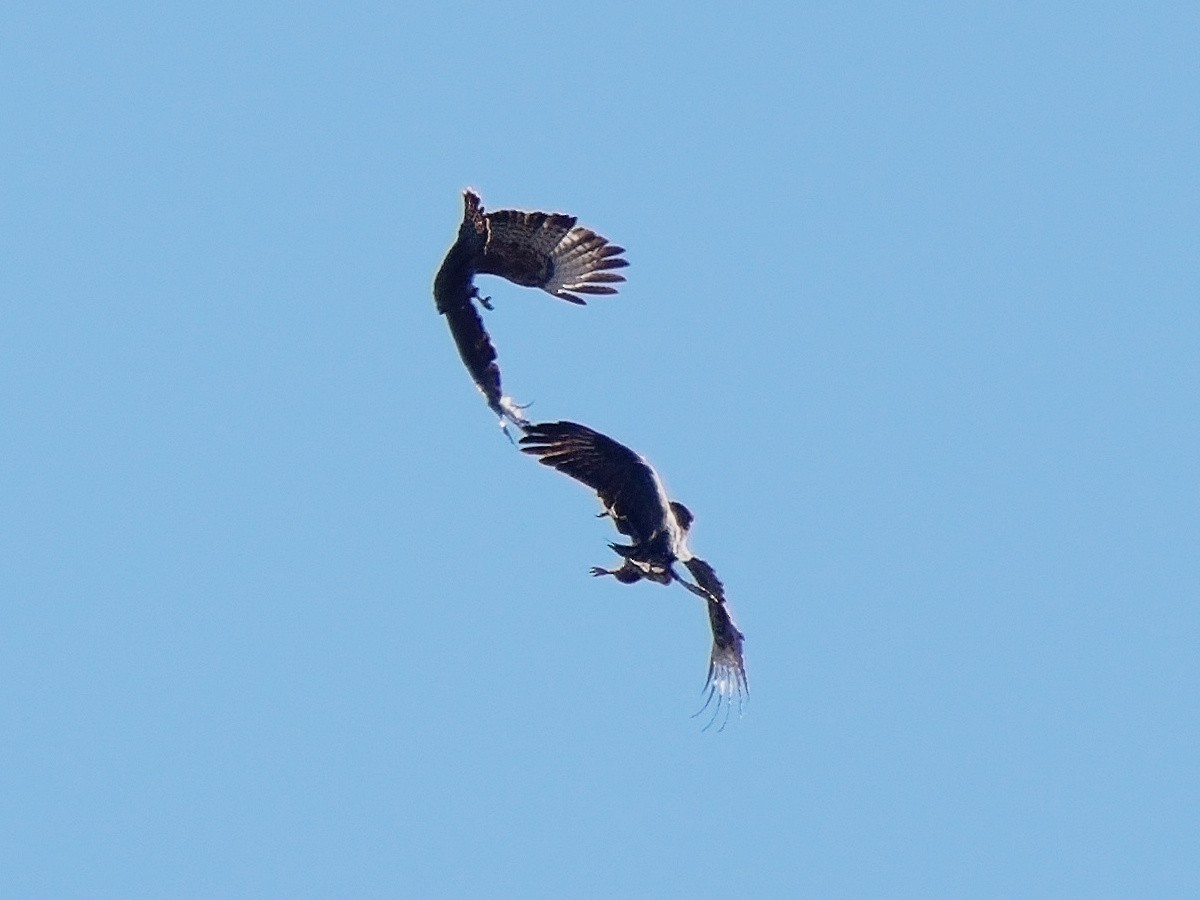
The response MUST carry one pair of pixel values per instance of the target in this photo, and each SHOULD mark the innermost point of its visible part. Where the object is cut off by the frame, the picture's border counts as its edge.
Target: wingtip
(725, 685)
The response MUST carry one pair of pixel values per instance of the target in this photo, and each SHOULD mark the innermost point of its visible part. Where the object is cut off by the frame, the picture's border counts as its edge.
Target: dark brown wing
(547, 251)
(706, 578)
(453, 285)
(519, 245)
(454, 293)
(478, 355)
(626, 484)
(726, 681)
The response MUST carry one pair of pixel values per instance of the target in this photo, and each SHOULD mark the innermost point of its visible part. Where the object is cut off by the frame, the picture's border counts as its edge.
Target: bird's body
(533, 249)
(634, 497)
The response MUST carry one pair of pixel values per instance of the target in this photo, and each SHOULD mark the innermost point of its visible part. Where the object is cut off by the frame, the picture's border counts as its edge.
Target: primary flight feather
(633, 495)
(532, 249)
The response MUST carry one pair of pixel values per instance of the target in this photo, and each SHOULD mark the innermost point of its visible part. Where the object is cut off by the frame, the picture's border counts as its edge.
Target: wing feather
(625, 483)
(582, 264)
(479, 356)
(726, 681)
(454, 294)
(520, 245)
(591, 289)
(547, 251)
(706, 577)
(453, 285)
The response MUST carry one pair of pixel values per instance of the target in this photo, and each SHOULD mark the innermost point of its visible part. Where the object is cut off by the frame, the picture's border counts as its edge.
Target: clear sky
(911, 325)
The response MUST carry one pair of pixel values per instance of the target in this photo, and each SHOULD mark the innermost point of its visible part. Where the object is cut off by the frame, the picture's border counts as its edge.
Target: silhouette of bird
(634, 498)
(533, 249)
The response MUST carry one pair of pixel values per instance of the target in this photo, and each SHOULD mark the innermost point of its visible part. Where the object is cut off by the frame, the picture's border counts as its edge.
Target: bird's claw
(485, 302)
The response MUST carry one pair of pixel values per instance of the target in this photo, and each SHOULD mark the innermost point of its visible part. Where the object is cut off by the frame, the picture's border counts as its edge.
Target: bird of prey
(533, 249)
(634, 498)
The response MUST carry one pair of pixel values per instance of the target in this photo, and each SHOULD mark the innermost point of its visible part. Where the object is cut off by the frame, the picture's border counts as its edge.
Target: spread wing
(479, 356)
(454, 292)
(453, 286)
(726, 681)
(626, 484)
(547, 251)
(706, 578)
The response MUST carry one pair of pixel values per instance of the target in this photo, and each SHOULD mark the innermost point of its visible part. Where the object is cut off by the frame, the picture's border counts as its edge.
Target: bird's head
(682, 514)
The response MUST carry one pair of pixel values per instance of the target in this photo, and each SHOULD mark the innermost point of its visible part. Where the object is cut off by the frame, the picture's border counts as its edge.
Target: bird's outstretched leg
(627, 574)
(485, 302)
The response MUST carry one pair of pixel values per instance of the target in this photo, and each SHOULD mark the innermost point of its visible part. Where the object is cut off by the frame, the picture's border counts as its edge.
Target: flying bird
(633, 496)
(532, 249)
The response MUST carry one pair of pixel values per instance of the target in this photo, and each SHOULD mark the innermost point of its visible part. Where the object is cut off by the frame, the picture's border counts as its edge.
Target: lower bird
(634, 498)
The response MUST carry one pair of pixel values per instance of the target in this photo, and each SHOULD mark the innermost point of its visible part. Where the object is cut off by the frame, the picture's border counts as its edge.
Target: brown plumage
(532, 249)
(633, 496)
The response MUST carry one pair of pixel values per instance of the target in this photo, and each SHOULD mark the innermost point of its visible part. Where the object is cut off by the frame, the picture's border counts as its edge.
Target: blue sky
(911, 325)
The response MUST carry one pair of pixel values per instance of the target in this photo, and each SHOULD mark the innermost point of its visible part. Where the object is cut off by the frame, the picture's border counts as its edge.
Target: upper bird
(634, 497)
(533, 249)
